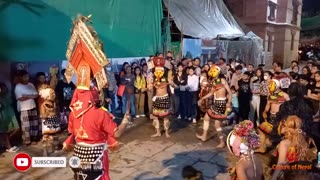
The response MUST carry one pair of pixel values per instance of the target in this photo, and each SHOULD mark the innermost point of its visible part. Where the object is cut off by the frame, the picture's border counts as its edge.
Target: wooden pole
(181, 45)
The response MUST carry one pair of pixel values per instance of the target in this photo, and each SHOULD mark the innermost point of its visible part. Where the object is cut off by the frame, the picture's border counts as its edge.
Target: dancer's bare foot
(167, 134)
(156, 135)
(221, 145)
(202, 138)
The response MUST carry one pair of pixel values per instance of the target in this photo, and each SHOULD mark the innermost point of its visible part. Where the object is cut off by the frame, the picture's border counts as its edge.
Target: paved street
(140, 157)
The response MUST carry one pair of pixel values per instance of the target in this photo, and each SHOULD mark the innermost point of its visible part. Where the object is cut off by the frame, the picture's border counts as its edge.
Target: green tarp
(38, 30)
(310, 23)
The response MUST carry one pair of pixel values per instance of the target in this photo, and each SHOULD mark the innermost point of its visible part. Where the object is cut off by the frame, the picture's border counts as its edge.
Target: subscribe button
(49, 162)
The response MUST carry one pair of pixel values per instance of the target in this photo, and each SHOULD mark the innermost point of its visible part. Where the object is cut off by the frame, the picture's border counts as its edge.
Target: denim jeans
(234, 115)
(192, 101)
(183, 104)
(192, 104)
(112, 96)
(125, 104)
(177, 95)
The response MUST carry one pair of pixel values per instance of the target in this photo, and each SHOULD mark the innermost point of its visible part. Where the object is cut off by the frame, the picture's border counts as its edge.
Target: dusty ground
(141, 157)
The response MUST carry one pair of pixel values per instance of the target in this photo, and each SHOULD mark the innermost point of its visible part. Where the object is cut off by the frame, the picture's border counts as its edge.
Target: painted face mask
(214, 71)
(274, 85)
(158, 73)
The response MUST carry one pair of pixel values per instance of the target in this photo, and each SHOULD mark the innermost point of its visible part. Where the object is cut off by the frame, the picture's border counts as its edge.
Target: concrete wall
(254, 14)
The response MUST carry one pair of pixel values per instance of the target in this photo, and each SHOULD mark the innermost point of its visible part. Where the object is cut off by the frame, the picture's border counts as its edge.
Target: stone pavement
(140, 157)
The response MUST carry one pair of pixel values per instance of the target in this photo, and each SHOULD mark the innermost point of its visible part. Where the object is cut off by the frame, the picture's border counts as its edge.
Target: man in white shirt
(196, 65)
(26, 94)
(193, 87)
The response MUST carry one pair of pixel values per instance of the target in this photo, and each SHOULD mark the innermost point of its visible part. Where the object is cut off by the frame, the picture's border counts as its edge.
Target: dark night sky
(311, 5)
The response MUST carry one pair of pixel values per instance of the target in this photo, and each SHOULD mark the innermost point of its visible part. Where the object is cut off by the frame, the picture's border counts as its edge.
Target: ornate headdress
(85, 55)
(242, 138)
(159, 64)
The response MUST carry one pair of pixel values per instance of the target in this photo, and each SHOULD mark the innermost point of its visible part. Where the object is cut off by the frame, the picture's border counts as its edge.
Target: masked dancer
(276, 99)
(220, 107)
(92, 129)
(161, 100)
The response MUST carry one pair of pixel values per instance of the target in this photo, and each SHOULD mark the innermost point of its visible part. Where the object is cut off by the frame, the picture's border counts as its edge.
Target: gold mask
(158, 73)
(272, 86)
(214, 71)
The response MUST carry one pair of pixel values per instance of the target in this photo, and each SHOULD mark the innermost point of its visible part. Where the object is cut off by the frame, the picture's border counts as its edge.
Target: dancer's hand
(265, 116)
(200, 102)
(228, 105)
(67, 147)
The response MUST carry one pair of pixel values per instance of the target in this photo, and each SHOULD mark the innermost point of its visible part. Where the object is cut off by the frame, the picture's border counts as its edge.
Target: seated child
(235, 107)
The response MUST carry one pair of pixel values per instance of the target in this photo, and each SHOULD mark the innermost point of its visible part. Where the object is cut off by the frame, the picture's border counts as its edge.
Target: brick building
(277, 22)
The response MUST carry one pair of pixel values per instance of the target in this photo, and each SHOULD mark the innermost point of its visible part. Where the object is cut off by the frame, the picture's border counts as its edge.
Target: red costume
(93, 130)
(91, 127)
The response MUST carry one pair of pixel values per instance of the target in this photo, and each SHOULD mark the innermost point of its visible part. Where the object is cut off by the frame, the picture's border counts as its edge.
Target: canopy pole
(181, 45)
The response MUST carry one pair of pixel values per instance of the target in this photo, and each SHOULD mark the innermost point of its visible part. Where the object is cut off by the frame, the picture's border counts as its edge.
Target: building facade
(277, 22)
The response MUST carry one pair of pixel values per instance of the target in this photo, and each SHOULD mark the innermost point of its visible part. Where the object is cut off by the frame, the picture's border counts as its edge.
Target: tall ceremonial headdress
(85, 55)
(159, 64)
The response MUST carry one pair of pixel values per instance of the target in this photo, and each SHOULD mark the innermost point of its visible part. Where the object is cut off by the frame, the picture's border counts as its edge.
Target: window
(272, 11)
(292, 40)
(295, 11)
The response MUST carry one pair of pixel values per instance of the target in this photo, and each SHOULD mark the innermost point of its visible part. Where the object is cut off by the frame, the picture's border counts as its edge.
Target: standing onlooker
(196, 65)
(140, 89)
(144, 70)
(233, 117)
(295, 69)
(192, 87)
(244, 95)
(111, 91)
(244, 66)
(128, 96)
(314, 70)
(179, 79)
(8, 122)
(255, 83)
(26, 94)
(306, 70)
(64, 92)
(40, 79)
(294, 63)
(150, 81)
(223, 66)
(314, 94)
(250, 69)
(134, 65)
(142, 61)
(204, 90)
(236, 76)
(264, 93)
(123, 70)
(277, 67)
